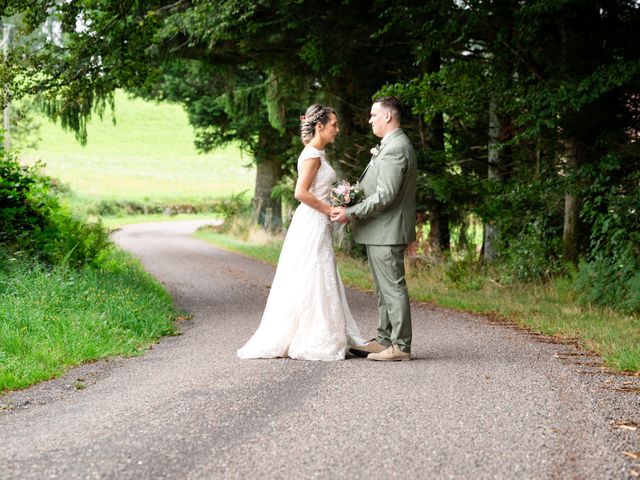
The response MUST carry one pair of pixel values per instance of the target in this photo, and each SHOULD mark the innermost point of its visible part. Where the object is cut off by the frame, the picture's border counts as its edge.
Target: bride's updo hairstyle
(315, 114)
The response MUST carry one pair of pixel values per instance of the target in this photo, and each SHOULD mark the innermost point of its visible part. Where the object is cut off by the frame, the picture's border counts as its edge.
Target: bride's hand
(338, 215)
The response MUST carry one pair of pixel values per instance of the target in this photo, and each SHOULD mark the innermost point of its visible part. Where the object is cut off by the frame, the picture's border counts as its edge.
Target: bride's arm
(308, 171)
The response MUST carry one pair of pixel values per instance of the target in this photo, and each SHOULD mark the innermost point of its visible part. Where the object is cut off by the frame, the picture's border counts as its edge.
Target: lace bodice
(326, 176)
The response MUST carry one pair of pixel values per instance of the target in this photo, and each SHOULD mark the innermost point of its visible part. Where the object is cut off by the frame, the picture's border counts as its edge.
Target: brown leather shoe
(391, 354)
(372, 346)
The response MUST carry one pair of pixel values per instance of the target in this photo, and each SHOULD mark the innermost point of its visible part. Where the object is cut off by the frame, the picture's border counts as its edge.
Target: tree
(524, 113)
(444, 113)
(277, 55)
(543, 85)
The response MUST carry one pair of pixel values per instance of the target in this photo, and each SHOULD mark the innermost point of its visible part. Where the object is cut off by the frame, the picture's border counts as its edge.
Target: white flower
(374, 151)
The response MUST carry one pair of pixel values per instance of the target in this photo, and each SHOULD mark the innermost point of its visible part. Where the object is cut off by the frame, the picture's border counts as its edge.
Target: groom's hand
(338, 215)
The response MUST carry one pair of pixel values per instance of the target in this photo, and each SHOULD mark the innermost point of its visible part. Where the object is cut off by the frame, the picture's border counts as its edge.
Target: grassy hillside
(147, 155)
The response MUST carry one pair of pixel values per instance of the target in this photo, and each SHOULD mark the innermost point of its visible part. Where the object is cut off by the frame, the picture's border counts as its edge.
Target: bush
(465, 274)
(20, 213)
(32, 220)
(529, 225)
(610, 275)
(532, 256)
(610, 282)
(227, 208)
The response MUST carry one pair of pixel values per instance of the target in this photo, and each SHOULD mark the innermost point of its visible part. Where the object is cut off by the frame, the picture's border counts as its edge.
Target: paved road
(479, 401)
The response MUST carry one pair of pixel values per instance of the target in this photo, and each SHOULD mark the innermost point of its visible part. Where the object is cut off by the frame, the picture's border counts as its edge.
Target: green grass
(148, 154)
(548, 308)
(53, 319)
(268, 253)
(545, 308)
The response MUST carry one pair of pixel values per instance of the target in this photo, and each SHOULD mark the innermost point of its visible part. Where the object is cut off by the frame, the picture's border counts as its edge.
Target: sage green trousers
(386, 263)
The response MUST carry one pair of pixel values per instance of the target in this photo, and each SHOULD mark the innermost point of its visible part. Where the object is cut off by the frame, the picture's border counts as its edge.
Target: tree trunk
(267, 211)
(439, 234)
(489, 252)
(413, 250)
(463, 240)
(7, 108)
(571, 205)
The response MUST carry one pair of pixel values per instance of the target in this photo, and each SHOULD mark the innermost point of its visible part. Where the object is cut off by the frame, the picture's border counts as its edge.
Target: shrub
(226, 208)
(21, 209)
(529, 223)
(610, 274)
(532, 256)
(466, 274)
(610, 282)
(33, 221)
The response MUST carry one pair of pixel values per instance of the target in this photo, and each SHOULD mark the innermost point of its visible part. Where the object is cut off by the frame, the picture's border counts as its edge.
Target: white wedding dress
(307, 316)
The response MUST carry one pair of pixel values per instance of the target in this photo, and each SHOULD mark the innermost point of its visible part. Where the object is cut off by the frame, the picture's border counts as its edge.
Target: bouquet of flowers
(343, 194)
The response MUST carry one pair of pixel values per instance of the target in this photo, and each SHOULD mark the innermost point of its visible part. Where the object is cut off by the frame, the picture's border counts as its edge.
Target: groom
(385, 222)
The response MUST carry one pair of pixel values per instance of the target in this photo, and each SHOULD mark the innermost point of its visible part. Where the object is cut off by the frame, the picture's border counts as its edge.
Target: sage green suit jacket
(387, 215)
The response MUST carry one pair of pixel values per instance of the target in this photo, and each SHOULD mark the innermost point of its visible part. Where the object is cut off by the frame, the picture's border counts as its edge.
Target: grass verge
(54, 318)
(268, 253)
(545, 308)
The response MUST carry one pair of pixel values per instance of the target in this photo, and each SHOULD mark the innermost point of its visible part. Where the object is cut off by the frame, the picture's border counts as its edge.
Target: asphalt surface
(480, 400)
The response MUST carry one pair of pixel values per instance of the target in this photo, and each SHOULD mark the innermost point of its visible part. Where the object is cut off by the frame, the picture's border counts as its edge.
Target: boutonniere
(375, 150)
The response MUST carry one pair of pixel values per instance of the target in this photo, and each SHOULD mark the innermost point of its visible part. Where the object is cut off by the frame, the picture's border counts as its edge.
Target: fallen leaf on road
(627, 388)
(627, 427)
(634, 455)
(622, 425)
(589, 372)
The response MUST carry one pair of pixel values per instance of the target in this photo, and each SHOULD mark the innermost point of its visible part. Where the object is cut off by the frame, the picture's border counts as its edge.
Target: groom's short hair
(392, 104)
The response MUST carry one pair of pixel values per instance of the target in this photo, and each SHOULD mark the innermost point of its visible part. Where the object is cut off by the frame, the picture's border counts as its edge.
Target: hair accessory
(303, 118)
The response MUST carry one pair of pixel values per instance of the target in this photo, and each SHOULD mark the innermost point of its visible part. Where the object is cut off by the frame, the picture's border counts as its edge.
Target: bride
(307, 316)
